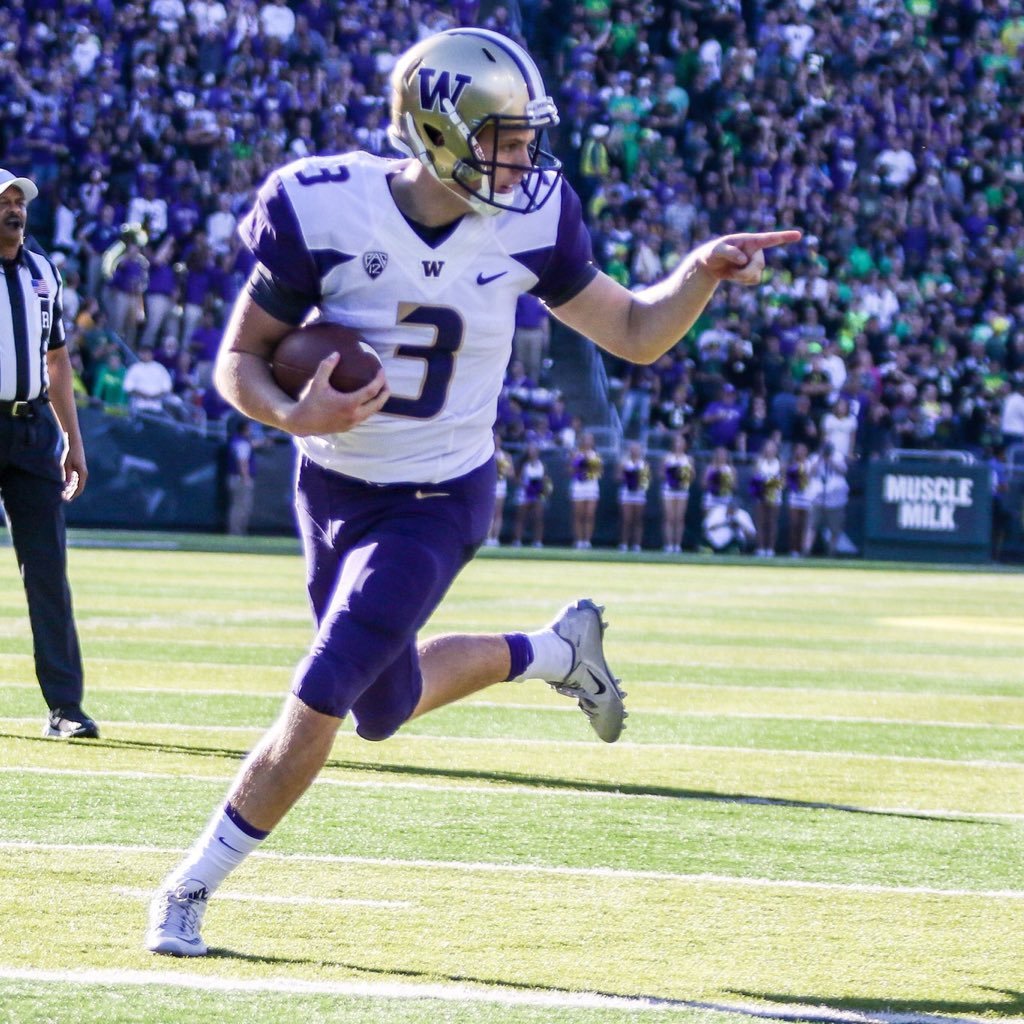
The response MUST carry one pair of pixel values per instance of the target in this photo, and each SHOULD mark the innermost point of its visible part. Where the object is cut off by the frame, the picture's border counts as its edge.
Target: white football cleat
(590, 680)
(175, 917)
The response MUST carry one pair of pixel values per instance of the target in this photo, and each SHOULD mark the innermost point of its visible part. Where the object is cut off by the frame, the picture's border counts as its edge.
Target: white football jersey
(440, 315)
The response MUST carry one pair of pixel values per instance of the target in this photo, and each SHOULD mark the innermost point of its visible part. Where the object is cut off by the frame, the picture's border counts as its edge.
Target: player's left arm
(641, 326)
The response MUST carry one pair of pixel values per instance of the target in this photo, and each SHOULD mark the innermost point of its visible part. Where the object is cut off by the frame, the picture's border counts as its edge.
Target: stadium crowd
(891, 132)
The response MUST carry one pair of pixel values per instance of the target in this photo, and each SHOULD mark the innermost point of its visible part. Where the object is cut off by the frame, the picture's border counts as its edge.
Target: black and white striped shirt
(31, 323)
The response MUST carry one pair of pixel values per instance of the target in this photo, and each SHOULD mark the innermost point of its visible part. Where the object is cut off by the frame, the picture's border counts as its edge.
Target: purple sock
(242, 825)
(520, 652)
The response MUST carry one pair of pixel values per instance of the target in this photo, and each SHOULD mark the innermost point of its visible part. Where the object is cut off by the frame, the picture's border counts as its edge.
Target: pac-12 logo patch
(374, 263)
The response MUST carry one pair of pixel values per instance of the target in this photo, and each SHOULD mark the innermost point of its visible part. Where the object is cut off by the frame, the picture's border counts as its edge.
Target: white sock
(552, 657)
(216, 853)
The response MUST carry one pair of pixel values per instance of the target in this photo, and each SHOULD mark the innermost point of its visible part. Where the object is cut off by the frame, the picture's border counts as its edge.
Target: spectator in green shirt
(108, 387)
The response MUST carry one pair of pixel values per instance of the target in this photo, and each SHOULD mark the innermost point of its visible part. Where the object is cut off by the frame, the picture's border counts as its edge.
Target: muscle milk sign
(928, 510)
(926, 502)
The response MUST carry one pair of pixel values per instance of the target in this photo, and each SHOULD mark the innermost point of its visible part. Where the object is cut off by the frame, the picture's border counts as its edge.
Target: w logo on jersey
(433, 92)
(374, 263)
(432, 268)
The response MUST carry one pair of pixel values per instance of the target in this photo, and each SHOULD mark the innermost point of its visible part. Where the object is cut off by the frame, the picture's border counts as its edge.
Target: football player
(426, 256)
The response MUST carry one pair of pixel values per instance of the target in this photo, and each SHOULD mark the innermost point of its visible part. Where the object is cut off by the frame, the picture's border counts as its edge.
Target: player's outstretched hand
(740, 258)
(322, 409)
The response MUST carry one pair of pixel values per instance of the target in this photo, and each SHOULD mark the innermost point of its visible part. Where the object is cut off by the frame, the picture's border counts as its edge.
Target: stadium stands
(891, 132)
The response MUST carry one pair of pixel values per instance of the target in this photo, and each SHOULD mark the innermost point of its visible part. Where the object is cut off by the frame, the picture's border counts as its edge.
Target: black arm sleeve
(273, 296)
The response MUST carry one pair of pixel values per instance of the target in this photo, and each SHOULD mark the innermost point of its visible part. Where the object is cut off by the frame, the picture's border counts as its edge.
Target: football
(299, 353)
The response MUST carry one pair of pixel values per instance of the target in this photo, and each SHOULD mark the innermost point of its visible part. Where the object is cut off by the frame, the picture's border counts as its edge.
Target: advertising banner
(928, 510)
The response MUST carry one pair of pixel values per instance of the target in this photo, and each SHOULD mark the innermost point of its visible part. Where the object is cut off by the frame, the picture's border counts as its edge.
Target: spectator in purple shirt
(47, 145)
(201, 281)
(532, 334)
(319, 18)
(126, 290)
(161, 293)
(722, 420)
(95, 237)
(184, 215)
(203, 344)
(466, 12)
(560, 424)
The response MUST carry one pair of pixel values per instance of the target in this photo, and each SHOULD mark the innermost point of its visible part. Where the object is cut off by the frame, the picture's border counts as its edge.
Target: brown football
(298, 355)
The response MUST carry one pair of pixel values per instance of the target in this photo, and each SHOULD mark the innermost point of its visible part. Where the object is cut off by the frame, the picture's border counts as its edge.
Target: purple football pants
(379, 558)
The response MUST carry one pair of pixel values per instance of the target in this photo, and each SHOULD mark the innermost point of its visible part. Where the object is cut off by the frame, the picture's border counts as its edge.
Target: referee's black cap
(28, 188)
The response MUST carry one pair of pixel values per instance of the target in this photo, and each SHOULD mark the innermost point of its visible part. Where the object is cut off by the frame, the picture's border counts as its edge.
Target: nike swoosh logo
(481, 279)
(432, 494)
(220, 839)
(601, 688)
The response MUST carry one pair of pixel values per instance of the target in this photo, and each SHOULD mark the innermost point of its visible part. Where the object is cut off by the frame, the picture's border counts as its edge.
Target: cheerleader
(531, 495)
(798, 478)
(766, 486)
(719, 481)
(505, 469)
(634, 476)
(677, 476)
(585, 466)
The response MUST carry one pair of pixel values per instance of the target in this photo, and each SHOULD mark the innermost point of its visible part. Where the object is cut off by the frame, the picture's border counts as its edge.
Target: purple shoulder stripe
(565, 268)
(327, 259)
(271, 232)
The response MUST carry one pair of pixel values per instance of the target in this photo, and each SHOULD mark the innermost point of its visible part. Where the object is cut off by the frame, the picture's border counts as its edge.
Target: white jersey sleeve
(439, 311)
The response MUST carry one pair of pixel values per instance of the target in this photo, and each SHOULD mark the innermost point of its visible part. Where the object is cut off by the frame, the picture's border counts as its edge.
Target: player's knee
(379, 716)
(378, 729)
(390, 702)
(326, 684)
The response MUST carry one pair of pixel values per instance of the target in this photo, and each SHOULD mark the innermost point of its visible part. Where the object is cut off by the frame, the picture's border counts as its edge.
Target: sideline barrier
(148, 474)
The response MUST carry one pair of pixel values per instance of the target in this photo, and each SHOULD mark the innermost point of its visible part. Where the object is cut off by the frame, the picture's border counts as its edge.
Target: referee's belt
(22, 410)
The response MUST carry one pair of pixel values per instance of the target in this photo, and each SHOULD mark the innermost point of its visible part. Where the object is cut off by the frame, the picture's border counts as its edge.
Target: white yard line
(461, 993)
(492, 790)
(624, 874)
(290, 901)
(639, 684)
(177, 726)
(278, 692)
(799, 661)
(522, 741)
(662, 712)
(758, 715)
(822, 691)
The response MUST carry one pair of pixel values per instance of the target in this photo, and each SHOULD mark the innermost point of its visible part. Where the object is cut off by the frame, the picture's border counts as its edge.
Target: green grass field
(815, 813)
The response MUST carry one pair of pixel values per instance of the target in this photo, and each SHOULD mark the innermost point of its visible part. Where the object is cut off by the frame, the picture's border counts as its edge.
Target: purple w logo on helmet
(433, 92)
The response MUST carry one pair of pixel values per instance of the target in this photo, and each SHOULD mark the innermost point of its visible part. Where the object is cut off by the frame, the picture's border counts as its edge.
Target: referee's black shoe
(71, 723)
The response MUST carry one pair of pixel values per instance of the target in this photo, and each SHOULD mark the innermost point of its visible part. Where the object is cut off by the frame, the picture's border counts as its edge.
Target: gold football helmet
(451, 86)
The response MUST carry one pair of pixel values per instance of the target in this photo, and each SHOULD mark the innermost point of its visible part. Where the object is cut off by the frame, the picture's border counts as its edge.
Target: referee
(42, 460)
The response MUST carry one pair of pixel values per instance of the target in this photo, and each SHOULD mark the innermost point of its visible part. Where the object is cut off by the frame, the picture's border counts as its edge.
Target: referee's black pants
(31, 481)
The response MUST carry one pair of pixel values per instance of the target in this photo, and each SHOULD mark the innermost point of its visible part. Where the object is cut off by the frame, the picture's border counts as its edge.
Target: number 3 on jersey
(439, 355)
